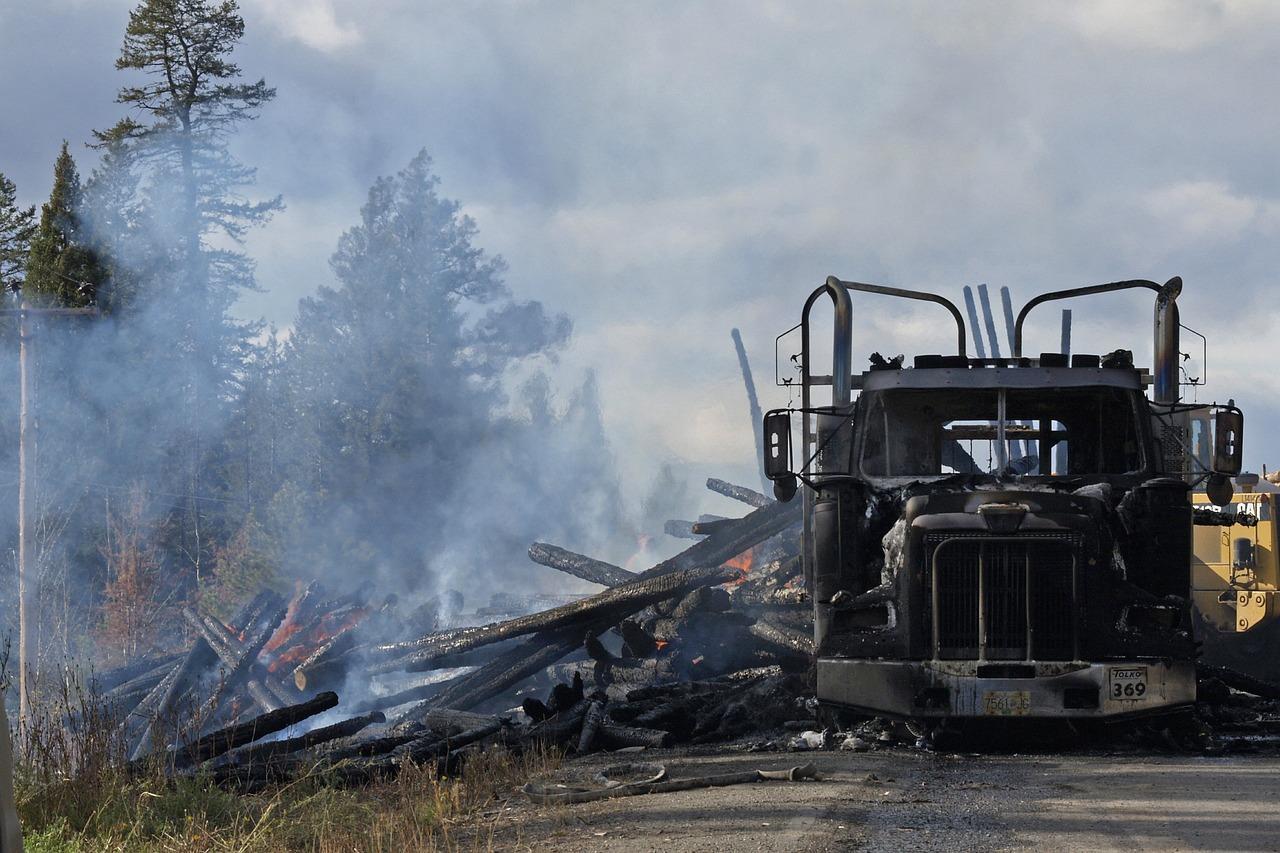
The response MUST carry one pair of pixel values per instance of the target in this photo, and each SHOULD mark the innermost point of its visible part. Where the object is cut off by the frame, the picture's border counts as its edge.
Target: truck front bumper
(950, 689)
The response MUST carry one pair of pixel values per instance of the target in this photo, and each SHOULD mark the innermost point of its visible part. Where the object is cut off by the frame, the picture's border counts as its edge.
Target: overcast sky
(665, 171)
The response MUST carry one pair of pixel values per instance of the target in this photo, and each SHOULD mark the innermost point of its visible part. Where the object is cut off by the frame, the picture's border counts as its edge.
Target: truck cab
(999, 537)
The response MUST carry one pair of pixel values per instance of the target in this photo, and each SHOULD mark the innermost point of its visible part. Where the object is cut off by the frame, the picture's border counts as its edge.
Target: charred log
(267, 751)
(726, 544)
(610, 606)
(681, 529)
(225, 740)
(539, 651)
(636, 641)
(586, 568)
(783, 637)
(750, 497)
(614, 736)
(591, 722)
(240, 660)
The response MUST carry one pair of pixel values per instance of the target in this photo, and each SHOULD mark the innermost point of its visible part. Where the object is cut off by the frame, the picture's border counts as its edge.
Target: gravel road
(910, 800)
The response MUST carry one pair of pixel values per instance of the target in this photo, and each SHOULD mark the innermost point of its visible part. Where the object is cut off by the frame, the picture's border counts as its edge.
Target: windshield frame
(1016, 380)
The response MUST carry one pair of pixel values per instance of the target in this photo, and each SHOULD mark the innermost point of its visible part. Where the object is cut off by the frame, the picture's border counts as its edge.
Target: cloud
(1207, 211)
(314, 23)
(666, 174)
(1174, 26)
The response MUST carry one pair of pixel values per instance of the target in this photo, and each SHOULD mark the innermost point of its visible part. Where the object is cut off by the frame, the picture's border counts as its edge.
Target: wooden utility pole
(28, 583)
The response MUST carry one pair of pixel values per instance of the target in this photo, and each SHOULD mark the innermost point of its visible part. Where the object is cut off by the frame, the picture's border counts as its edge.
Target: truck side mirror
(777, 454)
(1228, 441)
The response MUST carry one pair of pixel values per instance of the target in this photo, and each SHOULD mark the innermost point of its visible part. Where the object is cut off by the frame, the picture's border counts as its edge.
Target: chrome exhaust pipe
(1166, 365)
(842, 345)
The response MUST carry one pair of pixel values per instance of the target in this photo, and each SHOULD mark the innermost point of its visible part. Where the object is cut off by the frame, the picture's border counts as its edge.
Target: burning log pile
(711, 645)
(707, 645)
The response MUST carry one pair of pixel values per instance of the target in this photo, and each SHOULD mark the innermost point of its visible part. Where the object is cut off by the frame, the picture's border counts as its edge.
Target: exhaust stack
(1167, 352)
(842, 345)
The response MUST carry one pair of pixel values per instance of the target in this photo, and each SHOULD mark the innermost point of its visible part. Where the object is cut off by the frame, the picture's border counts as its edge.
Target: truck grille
(1003, 597)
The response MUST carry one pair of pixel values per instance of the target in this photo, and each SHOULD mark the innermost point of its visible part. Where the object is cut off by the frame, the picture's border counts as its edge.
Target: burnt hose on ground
(653, 781)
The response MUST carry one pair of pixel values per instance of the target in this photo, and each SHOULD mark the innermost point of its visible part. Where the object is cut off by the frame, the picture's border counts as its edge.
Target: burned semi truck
(1000, 537)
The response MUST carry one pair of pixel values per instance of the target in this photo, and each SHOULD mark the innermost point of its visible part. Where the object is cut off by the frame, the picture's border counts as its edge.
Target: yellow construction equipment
(1235, 578)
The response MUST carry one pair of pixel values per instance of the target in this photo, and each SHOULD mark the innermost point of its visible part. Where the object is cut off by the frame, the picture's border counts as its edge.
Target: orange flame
(743, 563)
(291, 625)
(328, 627)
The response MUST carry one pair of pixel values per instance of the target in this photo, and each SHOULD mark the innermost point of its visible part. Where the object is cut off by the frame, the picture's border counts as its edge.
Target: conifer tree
(183, 114)
(193, 102)
(62, 269)
(398, 372)
(17, 224)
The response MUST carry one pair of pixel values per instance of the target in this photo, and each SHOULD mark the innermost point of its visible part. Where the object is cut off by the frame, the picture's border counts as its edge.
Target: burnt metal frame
(1069, 544)
(1165, 367)
(1070, 293)
(841, 378)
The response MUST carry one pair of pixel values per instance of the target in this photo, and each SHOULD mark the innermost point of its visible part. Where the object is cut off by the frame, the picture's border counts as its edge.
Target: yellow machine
(1235, 579)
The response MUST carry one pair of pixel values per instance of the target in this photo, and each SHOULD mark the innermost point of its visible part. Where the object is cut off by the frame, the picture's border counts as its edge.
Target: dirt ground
(911, 800)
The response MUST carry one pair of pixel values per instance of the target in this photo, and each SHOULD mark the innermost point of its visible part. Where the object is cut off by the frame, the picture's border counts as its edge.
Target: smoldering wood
(636, 641)
(750, 497)
(615, 736)
(590, 727)
(765, 581)
(139, 686)
(241, 660)
(268, 751)
(135, 727)
(698, 625)
(326, 663)
(611, 606)
(505, 671)
(197, 660)
(404, 697)
(368, 747)
(329, 664)
(681, 529)
(244, 655)
(535, 709)
(578, 565)
(450, 721)
(418, 751)
(782, 637)
(628, 674)
(225, 740)
(358, 597)
(557, 729)
(706, 528)
(104, 683)
(753, 528)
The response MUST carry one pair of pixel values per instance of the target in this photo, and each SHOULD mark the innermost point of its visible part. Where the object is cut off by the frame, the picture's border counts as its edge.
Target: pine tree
(17, 225)
(184, 113)
(62, 269)
(194, 103)
(398, 371)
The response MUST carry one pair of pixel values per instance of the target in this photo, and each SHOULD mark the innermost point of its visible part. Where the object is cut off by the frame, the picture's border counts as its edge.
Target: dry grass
(74, 795)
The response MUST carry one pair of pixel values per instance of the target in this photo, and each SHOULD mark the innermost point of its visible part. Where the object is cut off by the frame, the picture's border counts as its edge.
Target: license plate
(1127, 683)
(1006, 703)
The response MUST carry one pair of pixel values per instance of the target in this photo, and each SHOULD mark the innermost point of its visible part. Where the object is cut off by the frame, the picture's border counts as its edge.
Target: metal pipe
(961, 346)
(1073, 292)
(1006, 304)
(973, 322)
(841, 345)
(1060, 451)
(989, 320)
(1167, 343)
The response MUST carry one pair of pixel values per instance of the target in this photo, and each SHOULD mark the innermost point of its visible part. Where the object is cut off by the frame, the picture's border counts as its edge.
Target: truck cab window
(1062, 432)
